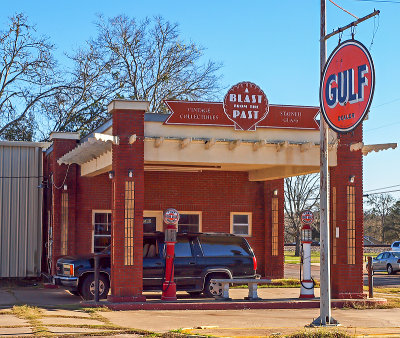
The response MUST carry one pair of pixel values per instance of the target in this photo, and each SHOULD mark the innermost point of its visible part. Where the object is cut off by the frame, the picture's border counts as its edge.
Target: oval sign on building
(245, 105)
(347, 86)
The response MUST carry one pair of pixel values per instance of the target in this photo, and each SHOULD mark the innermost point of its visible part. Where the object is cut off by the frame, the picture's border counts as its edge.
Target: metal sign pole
(325, 285)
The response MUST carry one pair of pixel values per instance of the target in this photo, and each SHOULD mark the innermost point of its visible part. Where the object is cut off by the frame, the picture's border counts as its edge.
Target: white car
(395, 246)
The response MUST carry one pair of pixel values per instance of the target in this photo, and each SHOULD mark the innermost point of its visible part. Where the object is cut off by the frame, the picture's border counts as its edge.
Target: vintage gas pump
(171, 218)
(307, 283)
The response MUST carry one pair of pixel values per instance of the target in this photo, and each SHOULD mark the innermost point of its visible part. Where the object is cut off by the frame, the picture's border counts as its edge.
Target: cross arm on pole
(352, 24)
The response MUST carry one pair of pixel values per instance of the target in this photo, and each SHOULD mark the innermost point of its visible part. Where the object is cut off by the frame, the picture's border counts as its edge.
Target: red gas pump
(171, 218)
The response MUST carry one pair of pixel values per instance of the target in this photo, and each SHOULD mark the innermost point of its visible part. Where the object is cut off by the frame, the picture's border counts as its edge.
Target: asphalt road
(380, 278)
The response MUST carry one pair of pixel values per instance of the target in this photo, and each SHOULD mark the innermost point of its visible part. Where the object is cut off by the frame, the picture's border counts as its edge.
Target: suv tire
(390, 269)
(210, 290)
(87, 287)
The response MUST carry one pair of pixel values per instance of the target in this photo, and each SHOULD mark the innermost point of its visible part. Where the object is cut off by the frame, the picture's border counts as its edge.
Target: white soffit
(95, 146)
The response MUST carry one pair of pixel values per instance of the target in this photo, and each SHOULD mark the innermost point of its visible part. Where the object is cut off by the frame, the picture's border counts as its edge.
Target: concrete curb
(235, 305)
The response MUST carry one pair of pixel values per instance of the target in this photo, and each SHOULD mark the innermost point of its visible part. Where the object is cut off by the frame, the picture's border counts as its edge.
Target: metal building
(21, 171)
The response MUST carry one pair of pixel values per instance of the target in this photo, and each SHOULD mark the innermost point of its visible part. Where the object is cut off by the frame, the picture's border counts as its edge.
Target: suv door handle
(192, 263)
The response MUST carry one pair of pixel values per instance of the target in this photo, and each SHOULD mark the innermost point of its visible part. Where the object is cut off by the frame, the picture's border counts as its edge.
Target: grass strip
(32, 315)
(319, 333)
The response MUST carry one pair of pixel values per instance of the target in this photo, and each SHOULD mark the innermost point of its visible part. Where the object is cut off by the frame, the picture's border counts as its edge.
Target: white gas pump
(307, 283)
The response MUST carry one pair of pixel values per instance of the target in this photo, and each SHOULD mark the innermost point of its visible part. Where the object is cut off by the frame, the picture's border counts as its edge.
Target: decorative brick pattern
(126, 280)
(273, 265)
(53, 196)
(347, 279)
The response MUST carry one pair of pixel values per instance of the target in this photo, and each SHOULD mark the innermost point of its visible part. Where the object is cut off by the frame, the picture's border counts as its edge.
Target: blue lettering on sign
(343, 92)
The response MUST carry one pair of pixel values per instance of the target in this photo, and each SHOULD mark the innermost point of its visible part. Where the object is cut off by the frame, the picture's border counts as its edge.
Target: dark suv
(199, 257)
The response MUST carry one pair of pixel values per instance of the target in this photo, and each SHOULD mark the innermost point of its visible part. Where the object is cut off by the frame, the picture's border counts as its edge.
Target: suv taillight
(255, 263)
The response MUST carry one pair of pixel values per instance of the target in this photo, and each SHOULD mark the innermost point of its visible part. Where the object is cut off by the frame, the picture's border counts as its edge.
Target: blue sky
(272, 43)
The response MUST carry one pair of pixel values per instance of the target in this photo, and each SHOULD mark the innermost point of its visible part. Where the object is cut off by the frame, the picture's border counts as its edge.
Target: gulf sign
(347, 86)
(246, 105)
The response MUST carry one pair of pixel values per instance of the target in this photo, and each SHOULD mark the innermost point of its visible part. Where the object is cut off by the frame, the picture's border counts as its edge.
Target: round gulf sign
(171, 216)
(347, 86)
(246, 105)
(307, 217)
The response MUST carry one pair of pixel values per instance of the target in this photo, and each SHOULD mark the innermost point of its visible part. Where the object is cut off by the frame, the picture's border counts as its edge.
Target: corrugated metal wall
(20, 209)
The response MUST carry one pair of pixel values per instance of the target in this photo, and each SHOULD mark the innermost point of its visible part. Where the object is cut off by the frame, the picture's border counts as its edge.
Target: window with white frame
(241, 223)
(189, 221)
(101, 230)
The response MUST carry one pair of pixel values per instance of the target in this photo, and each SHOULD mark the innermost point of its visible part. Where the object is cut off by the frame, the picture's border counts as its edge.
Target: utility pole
(325, 317)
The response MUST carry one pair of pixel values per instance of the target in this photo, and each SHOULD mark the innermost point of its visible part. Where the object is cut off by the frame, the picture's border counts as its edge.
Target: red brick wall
(60, 147)
(347, 279)
(126, 280)
(274, 265)
(217, 194)
(214, 193)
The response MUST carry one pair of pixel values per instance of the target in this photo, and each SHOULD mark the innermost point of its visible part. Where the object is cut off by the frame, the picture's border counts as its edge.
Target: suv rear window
(182, 247)
(224, 246)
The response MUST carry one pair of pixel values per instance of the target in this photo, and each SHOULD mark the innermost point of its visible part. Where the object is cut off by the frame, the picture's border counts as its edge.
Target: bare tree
(80, 105)
(127, 59)
(393, 224)
(381, 206)
(138, 61)
(151, 62)
(27, 77)
(301, 193)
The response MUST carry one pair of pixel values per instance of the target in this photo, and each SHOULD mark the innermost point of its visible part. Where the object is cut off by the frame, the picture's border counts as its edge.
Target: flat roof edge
(43, 145)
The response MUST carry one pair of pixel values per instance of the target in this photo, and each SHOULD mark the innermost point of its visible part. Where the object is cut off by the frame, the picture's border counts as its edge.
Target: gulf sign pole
(346, 90)
(325, 317)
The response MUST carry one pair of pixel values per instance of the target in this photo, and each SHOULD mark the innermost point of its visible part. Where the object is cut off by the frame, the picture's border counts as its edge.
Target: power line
(381, 192)
(344, 10)
(380, 1)
(391, 186)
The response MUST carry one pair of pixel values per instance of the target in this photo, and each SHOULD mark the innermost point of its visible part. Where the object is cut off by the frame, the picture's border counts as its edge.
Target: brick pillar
(128, 155)
(347, 268)
(62, 144)
(274, 261)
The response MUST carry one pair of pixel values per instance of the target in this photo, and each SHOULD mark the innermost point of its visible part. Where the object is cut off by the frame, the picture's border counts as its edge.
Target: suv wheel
(210, 289)
(87, 288)
(390, 269)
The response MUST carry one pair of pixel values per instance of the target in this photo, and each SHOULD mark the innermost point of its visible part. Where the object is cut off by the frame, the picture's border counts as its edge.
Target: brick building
(110, 185)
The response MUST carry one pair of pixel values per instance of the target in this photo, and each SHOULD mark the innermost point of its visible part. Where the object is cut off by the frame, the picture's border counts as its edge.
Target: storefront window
(102, 230)
(241, 223)
(149, 224)
(189, 222)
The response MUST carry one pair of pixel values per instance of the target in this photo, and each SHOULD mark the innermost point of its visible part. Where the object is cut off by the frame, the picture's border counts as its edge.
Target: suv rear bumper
(68, 282)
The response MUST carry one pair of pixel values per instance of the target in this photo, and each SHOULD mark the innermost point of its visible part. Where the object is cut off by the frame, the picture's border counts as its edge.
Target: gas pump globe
(306, 233)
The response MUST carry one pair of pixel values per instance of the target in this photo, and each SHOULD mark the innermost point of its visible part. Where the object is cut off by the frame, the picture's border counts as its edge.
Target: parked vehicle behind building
(395, 246)
(199, 257)
(387, 261)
